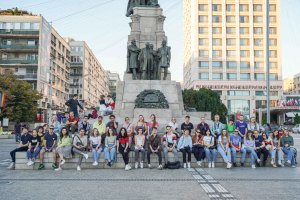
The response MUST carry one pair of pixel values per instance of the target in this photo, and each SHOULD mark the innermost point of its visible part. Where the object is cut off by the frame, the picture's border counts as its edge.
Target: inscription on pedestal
(151, 99)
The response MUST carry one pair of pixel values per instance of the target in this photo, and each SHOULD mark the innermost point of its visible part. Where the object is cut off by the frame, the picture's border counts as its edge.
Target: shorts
(49, 148)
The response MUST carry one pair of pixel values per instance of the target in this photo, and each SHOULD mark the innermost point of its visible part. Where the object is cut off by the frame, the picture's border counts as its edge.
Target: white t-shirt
(169, 138)
(174, 126)
(208, 140)
(95, 140)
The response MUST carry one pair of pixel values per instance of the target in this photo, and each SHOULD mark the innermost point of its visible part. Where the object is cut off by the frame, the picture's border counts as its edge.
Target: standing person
(216, 127)
(139, 147)
(41, 135)
(185, 145)
(23, 146)
(101, 128)
(198, 148)
(209, 143)
(236, 146)
(73, 103)
(79, 146)
(275, 137)
(46, 129)
(102, 105)
(140, 124)
(268, 129)
(17, 129)
(72, 123)
(112, 124)
(242, 127)
(187, 126)
(65, 119)
(253, 125)
(174, 127)
(110, 152)
(203, 127)
(260, 148)
(122, 147)
(95, 142)
(169, 143)
(151, 124)
(287, 146)
(271, 148)
(230, 127)
(129, 129)
(50, 140)
(64, 147)
(34, 145)
(154, 142)
(56, 124)
(223, 147)
(249, 142)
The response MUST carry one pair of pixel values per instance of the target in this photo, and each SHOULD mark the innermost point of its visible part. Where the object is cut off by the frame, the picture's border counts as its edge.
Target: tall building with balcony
(88, 78)
(114, 78)
(291, 85)
(32, 48)
(225, 50)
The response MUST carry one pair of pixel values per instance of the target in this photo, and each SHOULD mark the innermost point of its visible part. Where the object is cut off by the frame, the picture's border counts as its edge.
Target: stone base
(128, 76)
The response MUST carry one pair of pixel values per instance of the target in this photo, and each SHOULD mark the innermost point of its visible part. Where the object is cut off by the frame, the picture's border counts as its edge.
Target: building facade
(32, 48)
(114, 78)
(88, 78)
(225, 50)
(291, 85)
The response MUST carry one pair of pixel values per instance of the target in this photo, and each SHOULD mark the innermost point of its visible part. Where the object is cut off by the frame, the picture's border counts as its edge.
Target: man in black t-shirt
(112, 124)
(187, 126)
(18, 126)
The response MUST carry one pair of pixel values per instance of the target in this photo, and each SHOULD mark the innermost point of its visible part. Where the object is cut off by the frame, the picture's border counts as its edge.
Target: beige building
(31, 48)
(88, 78)
(225, 50)
(114, 78)
(291, 85)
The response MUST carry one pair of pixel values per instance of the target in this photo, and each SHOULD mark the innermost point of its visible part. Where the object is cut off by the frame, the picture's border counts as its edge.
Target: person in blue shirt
(242, 127)
(223, 147)
(185, 146)
(236, 146)
(216, 127)
(260, 148)
(65, 119)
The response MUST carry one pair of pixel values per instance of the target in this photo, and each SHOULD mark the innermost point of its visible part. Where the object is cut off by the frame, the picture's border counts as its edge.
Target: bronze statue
(146, 59)
(132, 59)
(154, 70)
(164, 55)
(140, 3)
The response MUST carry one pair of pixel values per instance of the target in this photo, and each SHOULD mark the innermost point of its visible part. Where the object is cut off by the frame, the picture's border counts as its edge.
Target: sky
(104, 27)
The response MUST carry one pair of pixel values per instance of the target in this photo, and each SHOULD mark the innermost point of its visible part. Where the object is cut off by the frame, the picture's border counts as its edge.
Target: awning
(290, 114)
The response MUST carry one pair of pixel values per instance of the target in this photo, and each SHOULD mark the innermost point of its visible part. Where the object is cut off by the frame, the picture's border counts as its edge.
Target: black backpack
(174, 165)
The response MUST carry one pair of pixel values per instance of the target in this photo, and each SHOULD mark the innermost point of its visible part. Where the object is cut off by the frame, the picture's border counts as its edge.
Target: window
(63, 48)
(244, 7)
(203, 30)
(259, 76)
(258, 30)
(238, 93)
(272, 19)
(258, 65)
(259, 42)
(244, 19)
(203, 7)
(272, 8)
(272, 65)
(230, 30)
(59, 44)
(244, 30)
(31, 42)
(231, 53)
(273, 54)
(203, 76)
(230, 19)
(264, 93)
(258, 7)
(272, 42)
(237, 107)
(258, 54)
(245, 76)
(203, 65)
(77, 59)
(217, 65)
(25, 25)
(6, 42)
(31, 56)
(245, 65)
(16, 55)
(216, 53)
(244, 54)
(216, 19)
(203, 19)
(263, 104)
(216, 7)
(217, 76)
(217, 42)
(273, 77)
(31, 71)
(231, 42)
(244, 42)
(273, 30)
(258, 19)
(17, 25)
(76, 48)
(216, 30)
(230, 7)
(231, 76)
(231, 65)
(203, 42)
(203, 53)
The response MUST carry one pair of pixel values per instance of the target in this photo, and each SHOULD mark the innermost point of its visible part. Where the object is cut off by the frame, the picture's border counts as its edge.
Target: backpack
(174, 165)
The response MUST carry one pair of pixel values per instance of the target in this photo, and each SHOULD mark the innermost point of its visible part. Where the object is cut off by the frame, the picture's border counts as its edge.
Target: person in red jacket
(203, 127)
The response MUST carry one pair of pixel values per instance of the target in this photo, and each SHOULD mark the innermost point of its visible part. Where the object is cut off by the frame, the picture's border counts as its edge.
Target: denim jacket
(88, 127)
(214, 128)
(188, 142)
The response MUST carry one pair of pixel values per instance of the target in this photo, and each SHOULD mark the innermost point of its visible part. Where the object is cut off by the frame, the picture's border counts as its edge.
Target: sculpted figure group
(140, 3)
(149, 61)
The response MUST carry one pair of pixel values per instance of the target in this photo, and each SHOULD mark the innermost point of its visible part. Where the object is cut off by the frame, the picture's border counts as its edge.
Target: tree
(16, 11)
(205, 100)
(5, 12)
(30, 13)
(264, 120)
(297, 119)
(20, 103)
(12, 12)
(21, 13)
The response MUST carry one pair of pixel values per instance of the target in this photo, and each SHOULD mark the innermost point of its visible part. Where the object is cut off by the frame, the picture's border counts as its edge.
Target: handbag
(268, 147)
(169, 144)
(79, 144)
(213, 147)
(174, 165)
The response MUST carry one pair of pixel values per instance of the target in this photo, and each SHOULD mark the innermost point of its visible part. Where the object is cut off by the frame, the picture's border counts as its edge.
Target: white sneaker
(30, 163)
(184, 165)
(258, 160)
(279, 162)
(142, 165)
(209, 165)
(293, 166)
(126, 168)
(199, 163)
(86, 156)
(58, 169)
(160, 167)
(229, 165)
(78, 168)
(253, 167)
(213, 164)
(272, 162)
(63, 162)
(136, 165)
(149, 166)
(11, 166)
(129, 167)
(189, 165)
(288, 161)
(94, 163)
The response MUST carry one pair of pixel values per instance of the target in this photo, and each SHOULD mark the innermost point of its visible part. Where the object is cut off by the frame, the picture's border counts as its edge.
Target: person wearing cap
(230, 127)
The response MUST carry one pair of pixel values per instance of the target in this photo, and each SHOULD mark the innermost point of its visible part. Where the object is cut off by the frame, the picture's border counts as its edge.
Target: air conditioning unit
(7, 30)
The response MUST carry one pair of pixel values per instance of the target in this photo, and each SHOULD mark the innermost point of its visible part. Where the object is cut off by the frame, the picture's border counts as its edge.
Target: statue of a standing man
(164, 55)
(154, 70)
(131, 5)
(146, 59)
(132, 59)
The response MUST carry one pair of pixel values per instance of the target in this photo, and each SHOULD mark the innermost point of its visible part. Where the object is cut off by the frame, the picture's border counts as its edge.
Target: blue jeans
(18, 137)
(252, 154)
(34, 154)
(243, 151)
(273, 154)
(290, 153)
(208, 151)
(96, 154)
(110, 155)
(226, 157)
(75, 113)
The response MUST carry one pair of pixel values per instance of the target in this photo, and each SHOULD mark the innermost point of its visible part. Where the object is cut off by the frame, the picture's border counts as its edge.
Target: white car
(296, 128)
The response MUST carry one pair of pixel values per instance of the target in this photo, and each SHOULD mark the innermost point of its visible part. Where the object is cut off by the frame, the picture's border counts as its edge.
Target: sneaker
(63, 162)
(129, 167)
(126, 168)
(235, 165)
(293, 166)
(242, 164)
(54, 165)
(94, 163)
(136, 165)
(142, 165)
(272, 162)
(160, 167)
(189, 165)
(258, 160)
(58, 169)
(86, 156)
(288, 161)
(78, 168)
(184, 165)
(150, 167)
(229, 165)
(109, 164)
(41, 166)
(209, 165)
(30, 163)
(199, 163)
(213, 164)
(275, 166)
(264, 164)
(253, 167)
(279, 162)
(257, 164)
(11, 166)
(166, 166)
(282, 165)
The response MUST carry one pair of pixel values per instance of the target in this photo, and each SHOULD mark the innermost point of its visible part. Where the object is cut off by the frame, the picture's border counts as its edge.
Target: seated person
(169, 142)
(154, 147)
(80, 144)
(185, 145)
(72, 123)
(34, 147)
(65, 119)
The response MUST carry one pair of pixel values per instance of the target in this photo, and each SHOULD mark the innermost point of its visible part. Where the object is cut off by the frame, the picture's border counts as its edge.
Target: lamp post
(267, 60)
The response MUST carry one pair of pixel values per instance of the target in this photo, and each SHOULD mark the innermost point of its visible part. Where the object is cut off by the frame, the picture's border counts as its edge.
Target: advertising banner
(45, 52)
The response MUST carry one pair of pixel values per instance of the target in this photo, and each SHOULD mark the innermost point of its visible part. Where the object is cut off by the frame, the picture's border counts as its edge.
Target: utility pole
(267, 60)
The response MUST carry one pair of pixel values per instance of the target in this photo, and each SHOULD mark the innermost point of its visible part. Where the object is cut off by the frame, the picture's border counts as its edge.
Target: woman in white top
(209, 143)
(139, 147)
(174, 127)
(223, 148)
(95, 142)
(269, 145)
(253, 125)
(129, 129)
(275, 137)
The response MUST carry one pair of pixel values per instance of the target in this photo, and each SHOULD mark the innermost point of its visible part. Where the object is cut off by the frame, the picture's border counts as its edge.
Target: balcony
(76, 64)
(26, 76)
(18, 62)
(20, 33)
(75, 85)
(75, 74)
(14, 48)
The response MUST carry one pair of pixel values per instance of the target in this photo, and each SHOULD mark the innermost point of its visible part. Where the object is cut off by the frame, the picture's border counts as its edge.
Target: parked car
(289, 122)
(296, 128)
(283, 127)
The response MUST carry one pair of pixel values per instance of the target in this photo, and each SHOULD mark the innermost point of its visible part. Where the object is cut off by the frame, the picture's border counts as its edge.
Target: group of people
(142, 137)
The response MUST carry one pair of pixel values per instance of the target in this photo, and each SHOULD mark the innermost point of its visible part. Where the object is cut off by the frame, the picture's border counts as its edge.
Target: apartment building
(114, 78)
(291, 85)
(32, 48)
(88, 78)
(225, 50)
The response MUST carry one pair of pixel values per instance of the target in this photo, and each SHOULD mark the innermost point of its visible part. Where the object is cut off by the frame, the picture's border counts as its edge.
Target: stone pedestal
(128, 77)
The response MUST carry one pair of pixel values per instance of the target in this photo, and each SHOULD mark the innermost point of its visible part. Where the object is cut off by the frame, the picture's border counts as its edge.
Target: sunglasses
(198, 132)
(52, 128)
(236, 131)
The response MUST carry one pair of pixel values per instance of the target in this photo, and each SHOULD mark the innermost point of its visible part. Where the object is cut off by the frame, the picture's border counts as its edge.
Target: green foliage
(205, 100)
(30, 13)
(21, 13)
(297, 119)
(16, 11)
(12, 12)
(264, 120)
(5, 11)
(20, 103)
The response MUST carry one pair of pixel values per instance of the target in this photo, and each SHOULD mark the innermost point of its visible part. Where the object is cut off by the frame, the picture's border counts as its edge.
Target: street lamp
(267, 61)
